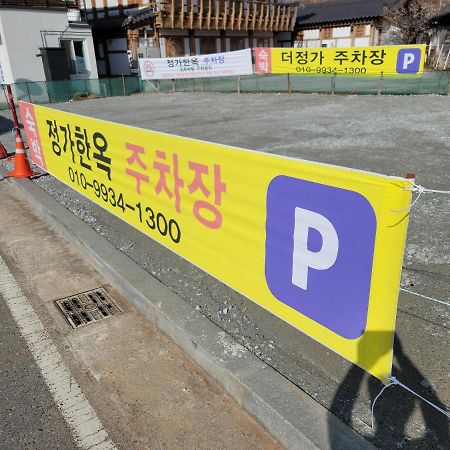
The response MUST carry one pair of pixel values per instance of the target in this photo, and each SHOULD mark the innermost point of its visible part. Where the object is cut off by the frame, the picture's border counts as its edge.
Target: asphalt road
(29, 416)
(391, 135)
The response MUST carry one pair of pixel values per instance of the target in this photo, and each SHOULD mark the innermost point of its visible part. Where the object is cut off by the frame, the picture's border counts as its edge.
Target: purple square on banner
(319, 252)
(408, 60)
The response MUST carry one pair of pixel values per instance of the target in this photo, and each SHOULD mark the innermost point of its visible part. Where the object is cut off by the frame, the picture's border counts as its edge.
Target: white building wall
(343, 43)
(362, 42)
(329, 42)
(342, 32)
(311, 34)
(21, 39)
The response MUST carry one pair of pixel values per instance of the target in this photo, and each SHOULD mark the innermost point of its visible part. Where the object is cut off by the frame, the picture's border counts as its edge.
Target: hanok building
(341, 23)
(184, 27)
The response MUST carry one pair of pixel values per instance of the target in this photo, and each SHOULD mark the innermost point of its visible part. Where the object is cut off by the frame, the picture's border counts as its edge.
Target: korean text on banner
(212, 65)
(395, 60)
(316, 245)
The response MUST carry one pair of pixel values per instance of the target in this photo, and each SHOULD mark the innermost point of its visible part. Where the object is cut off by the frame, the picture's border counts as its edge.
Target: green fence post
(48, 92)
(85, 89)
(28, 91)
(123, 85)
(380, 84)
(239, 85)
(203, 85)
(333, 84)
(289, 84)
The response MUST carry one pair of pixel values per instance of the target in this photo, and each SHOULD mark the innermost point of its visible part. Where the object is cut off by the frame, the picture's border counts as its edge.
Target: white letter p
(303, 259)
(408, 59)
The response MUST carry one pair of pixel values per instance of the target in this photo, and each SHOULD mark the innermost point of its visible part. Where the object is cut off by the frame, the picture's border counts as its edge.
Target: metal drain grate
(88, 307)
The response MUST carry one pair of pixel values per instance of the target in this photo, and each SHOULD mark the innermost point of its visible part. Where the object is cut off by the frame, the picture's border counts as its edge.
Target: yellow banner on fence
(316, 245)
(393, 60)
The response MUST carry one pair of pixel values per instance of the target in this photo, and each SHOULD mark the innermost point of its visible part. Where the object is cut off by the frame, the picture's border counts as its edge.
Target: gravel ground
(387, 134)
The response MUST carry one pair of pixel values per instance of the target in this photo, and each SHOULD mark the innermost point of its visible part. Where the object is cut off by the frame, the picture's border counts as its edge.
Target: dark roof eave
(349, 21)
(142, 16)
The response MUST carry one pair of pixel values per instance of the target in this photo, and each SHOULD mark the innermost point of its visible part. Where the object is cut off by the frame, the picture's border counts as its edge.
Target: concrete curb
(290, 415)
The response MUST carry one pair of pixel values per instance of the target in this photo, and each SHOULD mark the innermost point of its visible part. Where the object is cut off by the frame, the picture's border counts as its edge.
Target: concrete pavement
(146, 392)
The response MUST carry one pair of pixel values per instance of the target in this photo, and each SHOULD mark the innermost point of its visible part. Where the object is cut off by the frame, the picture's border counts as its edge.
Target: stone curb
(292, 417)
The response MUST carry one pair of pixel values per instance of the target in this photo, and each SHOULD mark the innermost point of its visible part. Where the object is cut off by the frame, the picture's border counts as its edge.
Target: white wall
(362, 42)
(311, 34)
(21, 39)
(342, 32)
(344, 43)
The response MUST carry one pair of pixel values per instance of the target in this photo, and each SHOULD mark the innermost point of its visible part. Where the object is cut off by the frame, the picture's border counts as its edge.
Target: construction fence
(44, 92)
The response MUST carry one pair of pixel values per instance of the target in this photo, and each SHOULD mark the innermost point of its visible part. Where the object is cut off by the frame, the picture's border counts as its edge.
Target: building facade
(341, 23)
(32, 33)
(125, 31)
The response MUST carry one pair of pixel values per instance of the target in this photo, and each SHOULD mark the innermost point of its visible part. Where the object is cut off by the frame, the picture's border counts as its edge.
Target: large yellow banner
(392, 60)
(316, 245)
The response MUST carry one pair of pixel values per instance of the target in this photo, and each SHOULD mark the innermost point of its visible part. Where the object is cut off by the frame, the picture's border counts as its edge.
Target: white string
(420, 190)
(392, 382)
(441, 410)
(425, 296)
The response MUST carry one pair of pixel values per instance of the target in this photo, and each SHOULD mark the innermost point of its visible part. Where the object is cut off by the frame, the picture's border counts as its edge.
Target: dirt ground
(386, 134)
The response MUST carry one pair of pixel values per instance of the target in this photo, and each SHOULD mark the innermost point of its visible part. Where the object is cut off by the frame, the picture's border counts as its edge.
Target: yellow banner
(393, 60)
(316, 245)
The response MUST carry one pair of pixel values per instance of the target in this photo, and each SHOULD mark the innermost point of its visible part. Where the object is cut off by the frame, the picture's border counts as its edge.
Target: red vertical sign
(263, 60)
(32, 134)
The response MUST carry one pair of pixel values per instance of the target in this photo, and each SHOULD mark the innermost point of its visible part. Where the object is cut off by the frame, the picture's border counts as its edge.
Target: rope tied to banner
(418, 189)
(394, 382)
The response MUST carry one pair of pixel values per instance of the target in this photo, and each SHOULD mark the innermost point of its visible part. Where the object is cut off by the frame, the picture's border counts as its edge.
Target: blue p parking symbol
(408, 60)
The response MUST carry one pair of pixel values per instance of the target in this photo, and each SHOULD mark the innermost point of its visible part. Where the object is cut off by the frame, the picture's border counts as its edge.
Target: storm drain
(88, 307)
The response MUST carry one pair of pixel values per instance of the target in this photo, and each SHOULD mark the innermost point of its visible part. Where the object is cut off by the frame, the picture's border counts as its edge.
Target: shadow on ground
(394, 408)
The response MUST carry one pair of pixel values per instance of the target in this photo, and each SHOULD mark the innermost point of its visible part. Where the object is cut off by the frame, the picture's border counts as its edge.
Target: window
(75, 57)
(80, 63)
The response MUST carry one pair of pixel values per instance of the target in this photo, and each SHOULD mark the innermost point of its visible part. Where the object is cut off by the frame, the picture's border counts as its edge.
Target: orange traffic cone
(3, 152)
(21, 165)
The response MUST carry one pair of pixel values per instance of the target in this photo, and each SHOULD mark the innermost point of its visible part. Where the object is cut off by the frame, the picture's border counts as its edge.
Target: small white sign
(199, 66)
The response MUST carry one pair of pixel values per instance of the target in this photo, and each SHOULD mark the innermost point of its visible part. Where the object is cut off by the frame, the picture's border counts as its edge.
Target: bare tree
(409, 21)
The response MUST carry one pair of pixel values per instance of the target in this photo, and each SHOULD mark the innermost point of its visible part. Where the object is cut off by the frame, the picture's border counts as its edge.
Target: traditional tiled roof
(341, 11)
(139, 16)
